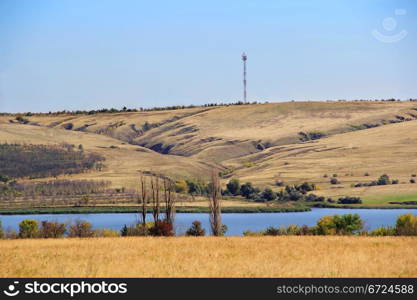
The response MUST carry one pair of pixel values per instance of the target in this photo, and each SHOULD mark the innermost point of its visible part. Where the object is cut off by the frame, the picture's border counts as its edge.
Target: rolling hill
(261, 143)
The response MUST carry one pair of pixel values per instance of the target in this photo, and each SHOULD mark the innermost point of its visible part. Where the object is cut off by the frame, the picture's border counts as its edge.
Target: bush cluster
(289, 193)
(382, 180)
(349, 200)
(52, 229)
(59, 187)
(192, 186)
(310, 136)
(158, 228)
(347, 224)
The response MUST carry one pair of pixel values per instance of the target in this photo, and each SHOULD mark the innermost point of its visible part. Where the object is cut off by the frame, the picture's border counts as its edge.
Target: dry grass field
(285, 256)
(258, 143)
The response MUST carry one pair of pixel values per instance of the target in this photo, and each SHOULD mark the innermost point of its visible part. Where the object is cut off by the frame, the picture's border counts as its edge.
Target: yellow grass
(289, 256)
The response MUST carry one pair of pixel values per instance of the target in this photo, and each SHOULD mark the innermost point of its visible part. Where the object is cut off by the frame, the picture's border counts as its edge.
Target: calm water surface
(236, 223)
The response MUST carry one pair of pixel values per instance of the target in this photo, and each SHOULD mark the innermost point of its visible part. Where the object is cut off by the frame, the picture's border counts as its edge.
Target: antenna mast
(244, 59)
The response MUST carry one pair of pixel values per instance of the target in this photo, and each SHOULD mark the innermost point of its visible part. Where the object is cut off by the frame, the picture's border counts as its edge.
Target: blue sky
(78, 54)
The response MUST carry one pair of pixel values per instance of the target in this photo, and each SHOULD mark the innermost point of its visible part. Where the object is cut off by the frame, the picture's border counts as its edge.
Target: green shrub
(196, 187)
(383, 180)
(314, 198)
(334, 181)
(81, 229)
(106, 232)
(28, 229)
(52, 229)
(247, 190)
(268, 195)
(293, 230)
(349, 200)
(273, 231)
(136, 230)
(313, 135)
(383, 231)
(291, 194)
(406, 225)
(305, 187)
(252, 233)
(196, 229)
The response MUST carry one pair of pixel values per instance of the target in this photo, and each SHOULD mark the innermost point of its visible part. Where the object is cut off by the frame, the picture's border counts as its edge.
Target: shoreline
(134, 209)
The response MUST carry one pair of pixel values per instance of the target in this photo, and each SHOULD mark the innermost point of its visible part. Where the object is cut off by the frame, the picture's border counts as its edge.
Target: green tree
(348, 223)
(28, 229)
(406, 225)
(344, 224)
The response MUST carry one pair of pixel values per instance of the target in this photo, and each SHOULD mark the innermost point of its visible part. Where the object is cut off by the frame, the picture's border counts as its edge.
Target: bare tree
(142, 199)
(155, 198)
(214, 204)
(169, 198)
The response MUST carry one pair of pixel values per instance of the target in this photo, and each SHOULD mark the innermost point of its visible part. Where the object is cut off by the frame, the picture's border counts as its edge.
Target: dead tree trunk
(142, 199)
(155, 198)
(169, 198)
(214, 205)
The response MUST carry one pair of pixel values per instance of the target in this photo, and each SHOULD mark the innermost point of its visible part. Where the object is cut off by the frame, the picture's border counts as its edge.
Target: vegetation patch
(382, 180)
(52, 188)
(309, 136)
(36, 161)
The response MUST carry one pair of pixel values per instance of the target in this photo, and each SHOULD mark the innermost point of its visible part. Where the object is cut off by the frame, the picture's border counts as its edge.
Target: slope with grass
(293, 142)
(123, 161)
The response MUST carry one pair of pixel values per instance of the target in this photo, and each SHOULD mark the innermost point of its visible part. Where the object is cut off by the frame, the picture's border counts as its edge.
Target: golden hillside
(258, 142)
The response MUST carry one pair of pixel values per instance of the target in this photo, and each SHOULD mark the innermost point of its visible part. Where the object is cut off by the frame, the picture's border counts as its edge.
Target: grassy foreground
(284, 256)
